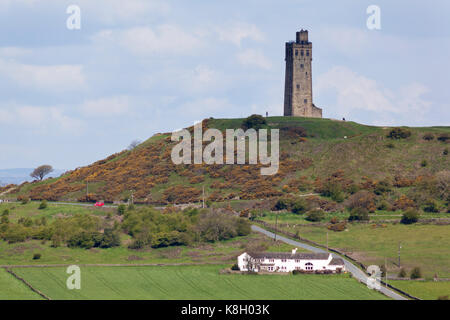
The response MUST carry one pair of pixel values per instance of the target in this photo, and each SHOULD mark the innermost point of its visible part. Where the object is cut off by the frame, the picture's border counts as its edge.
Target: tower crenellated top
(302, 36)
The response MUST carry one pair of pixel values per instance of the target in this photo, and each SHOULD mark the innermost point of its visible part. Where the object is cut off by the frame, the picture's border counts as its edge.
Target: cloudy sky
(138, 67)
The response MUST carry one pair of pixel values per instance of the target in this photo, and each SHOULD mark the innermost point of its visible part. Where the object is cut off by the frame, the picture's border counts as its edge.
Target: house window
(271, 260)
(283, 260)
(309, 266)
(297, 261)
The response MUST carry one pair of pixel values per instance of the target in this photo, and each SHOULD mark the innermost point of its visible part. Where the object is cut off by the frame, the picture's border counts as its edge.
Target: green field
(54, 210)
(423, 245)
(192, 282)
(429, 290)
(13, 289)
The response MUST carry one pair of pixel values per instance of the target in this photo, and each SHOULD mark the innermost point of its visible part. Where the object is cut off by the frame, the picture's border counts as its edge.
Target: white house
(288, 262)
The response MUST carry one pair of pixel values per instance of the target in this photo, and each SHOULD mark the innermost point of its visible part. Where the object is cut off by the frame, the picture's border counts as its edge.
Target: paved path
(354, 270)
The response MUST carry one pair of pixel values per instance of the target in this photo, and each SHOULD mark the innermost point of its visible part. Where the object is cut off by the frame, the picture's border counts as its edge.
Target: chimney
(294, 251)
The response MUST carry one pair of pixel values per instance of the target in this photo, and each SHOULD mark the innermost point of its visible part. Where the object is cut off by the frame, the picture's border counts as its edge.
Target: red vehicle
(99, 204)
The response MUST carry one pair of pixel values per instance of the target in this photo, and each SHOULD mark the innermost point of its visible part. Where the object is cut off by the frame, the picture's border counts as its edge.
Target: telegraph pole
(399, 247)
(327, 240)
(276, 226)
(385, 272)
(203, 204)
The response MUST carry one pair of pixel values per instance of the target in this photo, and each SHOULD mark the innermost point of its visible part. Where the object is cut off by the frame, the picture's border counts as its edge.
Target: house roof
(287, 255)
(336, 262)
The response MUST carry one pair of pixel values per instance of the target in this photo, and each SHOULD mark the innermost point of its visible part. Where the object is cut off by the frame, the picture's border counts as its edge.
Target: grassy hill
(312, 150)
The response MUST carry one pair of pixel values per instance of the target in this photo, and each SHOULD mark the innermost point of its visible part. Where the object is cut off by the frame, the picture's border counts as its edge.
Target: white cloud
(106, 106)
(237, 32)
(346, 40)
(14, 52)
(168, 39)
(356, 92)
(255, 58)
(205, 107)
(120, 11)
(201, 79)
(49, 78)
(39, 118)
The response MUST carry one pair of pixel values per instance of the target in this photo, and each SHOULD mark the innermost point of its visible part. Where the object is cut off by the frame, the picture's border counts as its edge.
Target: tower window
(301, 66)
(296, 52)
(307, 53)
(298, 86)
(301, 53)
(305, 101)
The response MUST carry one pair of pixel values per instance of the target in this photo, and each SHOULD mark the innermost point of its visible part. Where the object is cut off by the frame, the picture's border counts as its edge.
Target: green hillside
(312, 151)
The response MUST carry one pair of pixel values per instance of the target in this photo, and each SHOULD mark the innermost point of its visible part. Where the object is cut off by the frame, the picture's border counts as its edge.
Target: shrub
(445, 152)
(444, 137)
(235, 267)
(390, 145)
(416, 273)
(43, 205)
(5, 213)
(283, 203)
(338, 227)
(362, 199)
(334, 220)
(121, 209)
(442, 298)
(255, 121)
(299, 206)
(315, 215)
(36, 256)
(333, 190)
(383, 270)
(384, 205)
(294, 272)
(359, 214)
(428, 136)
(431, 206)
(404, 203)
(410, 216)
(424, 163)
(382, 187)
(402, 273)
(25, 201)
(399, 133)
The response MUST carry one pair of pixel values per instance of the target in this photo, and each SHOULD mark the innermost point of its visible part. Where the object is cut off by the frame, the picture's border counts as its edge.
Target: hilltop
(313, 152)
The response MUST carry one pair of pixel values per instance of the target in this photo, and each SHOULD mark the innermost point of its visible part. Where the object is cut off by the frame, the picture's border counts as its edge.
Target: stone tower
(298, 84)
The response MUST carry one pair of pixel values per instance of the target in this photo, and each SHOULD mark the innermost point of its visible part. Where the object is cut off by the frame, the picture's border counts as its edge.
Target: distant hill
(313, 151)
(20, 175)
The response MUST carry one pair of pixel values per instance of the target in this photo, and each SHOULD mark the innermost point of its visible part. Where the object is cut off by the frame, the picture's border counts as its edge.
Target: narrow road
(354, 270)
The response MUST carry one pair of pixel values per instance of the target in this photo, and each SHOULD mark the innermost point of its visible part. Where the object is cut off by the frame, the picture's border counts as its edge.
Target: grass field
(219, 252)
(18, 210)
(423, 245)
(192, 282)
(429, 290)
(13, 289)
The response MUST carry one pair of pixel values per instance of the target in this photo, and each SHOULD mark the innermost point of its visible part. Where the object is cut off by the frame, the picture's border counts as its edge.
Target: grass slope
(424, 246)
(13, 289)
(331, 145)
(192, 282)
(428, 290)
